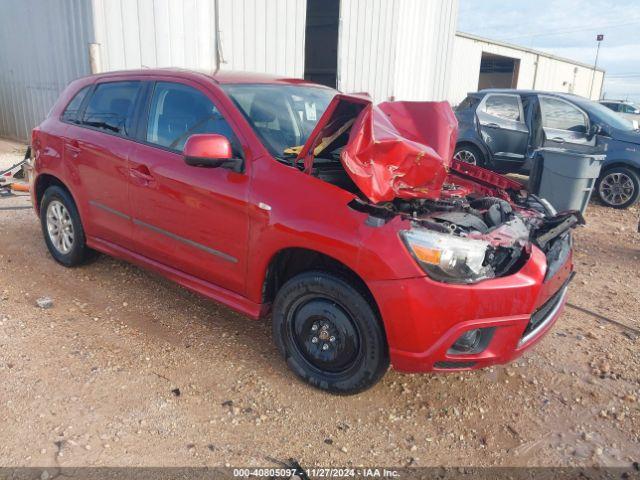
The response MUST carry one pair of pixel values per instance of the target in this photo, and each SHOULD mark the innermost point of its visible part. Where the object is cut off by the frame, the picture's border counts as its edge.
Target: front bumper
(424, 318)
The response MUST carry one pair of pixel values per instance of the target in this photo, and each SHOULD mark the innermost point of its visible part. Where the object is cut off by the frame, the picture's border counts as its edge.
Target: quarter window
(503, 106)
(179, 111)
(70, 113)
(561, 115)
(111, 107)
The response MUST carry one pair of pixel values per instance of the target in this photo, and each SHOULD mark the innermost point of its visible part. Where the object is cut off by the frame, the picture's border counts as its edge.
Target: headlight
(447, 258)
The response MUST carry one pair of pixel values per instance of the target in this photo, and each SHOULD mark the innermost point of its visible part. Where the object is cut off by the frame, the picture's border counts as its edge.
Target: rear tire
(329, 334)
(469, 154)
(618, 187)
(62, 228)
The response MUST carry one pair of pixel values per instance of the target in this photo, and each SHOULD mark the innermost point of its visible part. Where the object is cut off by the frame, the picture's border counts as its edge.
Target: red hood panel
(401, 149)
(398, 149)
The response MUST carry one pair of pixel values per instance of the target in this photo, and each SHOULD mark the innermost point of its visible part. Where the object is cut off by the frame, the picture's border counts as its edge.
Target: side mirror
(594, 130)
(210, 150)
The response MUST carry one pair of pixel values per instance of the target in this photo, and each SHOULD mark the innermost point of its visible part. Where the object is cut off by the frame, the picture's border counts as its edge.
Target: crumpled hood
(393, 150)
(401, 149)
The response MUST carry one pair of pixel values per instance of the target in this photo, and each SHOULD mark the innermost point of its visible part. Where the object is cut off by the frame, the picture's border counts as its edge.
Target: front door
(193, 219)
(503, 129)
(564, 124)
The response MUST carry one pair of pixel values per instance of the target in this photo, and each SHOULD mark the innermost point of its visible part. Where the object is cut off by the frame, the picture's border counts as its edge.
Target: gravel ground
(125, 368)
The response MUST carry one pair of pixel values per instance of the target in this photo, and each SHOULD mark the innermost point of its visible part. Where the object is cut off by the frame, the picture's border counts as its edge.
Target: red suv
(347, 222)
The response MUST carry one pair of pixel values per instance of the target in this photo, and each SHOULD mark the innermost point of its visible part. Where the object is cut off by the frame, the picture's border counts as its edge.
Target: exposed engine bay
(467, 223)
(507, 230)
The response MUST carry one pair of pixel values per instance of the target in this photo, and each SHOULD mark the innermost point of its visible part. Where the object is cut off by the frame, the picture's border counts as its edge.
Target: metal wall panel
(398, 49)
(367, 47)
(263, 36)
(155, 33)
(425, 47)
(38, 62)
(538, 70)
(255, 35)
(43, 46)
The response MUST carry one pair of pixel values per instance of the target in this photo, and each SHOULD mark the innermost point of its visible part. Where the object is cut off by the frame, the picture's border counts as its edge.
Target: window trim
(140, 114)
(136, 108)
(83, 105)
(517, 97)
(145, 111)
(560, 99)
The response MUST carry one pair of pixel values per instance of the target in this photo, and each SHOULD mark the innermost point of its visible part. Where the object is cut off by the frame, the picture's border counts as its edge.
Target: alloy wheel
(60, 227)
(616, 188)
(466, 156)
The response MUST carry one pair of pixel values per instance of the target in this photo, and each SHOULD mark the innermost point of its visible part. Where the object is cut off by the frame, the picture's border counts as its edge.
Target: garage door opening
(497, 71)
(321, 42)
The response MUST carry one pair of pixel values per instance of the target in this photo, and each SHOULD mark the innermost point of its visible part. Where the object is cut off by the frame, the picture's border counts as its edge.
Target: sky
(567, 28)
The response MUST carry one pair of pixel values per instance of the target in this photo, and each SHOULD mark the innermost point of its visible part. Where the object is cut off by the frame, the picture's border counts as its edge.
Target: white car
(626, 109)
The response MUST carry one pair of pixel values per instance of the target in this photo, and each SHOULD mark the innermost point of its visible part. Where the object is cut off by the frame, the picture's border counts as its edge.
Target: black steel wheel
(329, 333)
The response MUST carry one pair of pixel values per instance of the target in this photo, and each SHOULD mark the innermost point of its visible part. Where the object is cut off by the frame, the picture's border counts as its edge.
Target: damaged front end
(466, 223)
(474, 237)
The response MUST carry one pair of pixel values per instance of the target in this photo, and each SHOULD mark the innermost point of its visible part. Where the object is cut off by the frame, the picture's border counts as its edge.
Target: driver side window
(179, 111)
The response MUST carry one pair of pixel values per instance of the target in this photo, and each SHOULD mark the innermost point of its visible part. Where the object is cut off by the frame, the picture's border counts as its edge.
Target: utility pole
(599, 39)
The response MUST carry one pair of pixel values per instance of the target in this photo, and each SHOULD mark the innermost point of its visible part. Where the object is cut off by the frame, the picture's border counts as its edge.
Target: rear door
(193, 219)
(98, 145)
(502, 127)
(564, 124)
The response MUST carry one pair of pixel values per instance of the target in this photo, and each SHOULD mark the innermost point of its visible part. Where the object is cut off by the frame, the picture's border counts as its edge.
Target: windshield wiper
(102, 125)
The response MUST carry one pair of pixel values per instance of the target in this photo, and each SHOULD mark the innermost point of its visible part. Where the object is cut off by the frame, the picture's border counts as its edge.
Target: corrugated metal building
(390, 48)
(482, 63)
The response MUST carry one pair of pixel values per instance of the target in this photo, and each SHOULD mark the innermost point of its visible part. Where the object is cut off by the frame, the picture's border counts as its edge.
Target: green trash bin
(564, 177)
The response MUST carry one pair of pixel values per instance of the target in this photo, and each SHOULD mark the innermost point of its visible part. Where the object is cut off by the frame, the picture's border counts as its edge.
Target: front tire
(62, 228)
(618, 187)
(469, 154)
(329, 333)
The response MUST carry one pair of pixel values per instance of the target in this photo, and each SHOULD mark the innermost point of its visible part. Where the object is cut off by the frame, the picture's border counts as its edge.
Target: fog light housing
(471, 341)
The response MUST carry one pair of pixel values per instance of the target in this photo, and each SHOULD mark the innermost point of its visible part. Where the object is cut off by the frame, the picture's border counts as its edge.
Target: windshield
(283, 116)
(607, 116)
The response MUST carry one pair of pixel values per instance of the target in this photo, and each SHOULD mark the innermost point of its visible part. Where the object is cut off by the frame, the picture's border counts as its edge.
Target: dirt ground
(127, 368)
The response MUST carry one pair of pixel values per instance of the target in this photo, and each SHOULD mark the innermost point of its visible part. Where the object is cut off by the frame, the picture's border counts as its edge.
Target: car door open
(501, 123)
(564, 124)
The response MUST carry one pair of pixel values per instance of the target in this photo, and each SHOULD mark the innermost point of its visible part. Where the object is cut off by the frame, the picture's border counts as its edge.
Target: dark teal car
(501, 128)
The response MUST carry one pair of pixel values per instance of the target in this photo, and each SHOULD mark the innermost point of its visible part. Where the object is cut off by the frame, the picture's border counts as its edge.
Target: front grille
(544, 314)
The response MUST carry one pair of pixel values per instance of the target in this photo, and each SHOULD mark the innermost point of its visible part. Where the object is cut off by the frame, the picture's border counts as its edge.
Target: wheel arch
(475, 143)
(44, 181)
(620, 163)
(291, 261)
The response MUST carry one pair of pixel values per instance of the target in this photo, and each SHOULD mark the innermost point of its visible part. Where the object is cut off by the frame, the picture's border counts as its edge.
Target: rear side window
(562, 115)
(111, 107)
(70, 113)
(503, 106)
(179, 111)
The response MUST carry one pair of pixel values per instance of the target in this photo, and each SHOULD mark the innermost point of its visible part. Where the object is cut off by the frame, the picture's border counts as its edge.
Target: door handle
(141, 173)
(73, 146)
(493, 125)
(558, 140)
(141, 170)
